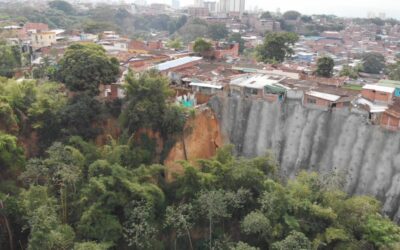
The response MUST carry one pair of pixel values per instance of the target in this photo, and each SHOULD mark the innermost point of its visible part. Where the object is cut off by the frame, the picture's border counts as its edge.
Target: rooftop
(176, 63)
(325, 96)
(379, 88)
(256, 81)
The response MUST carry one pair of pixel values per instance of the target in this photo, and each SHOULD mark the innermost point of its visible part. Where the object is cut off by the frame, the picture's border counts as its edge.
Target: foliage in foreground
(80, 196)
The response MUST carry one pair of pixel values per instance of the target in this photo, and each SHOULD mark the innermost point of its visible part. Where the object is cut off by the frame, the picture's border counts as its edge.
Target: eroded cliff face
(315, 140)
(200, 140)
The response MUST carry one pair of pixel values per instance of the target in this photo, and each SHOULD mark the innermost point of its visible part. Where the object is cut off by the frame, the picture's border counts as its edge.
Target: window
(312, 101)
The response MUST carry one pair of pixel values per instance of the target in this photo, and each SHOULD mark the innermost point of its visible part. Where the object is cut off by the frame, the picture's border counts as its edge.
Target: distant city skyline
(345, 8)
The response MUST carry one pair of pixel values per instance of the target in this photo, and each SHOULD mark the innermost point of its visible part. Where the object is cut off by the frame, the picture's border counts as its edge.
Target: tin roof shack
(377, 93)
(203, 91)
(393, 84)
(325, 101)
(390, 119)
(266, 87)
(171, 68)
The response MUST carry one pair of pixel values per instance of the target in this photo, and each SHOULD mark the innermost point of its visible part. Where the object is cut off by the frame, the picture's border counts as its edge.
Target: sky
(345, 8)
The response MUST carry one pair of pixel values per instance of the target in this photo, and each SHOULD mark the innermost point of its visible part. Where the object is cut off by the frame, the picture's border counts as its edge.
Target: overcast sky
(348, 8)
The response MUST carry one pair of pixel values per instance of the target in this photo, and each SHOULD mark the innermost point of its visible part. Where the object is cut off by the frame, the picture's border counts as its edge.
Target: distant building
(198, 11)
(198, 3)
(43, 39)
(232, 6)
(175, 4)
(211, 6)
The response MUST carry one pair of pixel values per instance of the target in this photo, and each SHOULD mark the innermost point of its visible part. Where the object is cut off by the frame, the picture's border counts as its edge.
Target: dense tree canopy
(147, 107)
(62, 6)
(10, 60)
(202, 47)
(291, 15)
(325, 66)
(276, 47)
(373, 63)
(394, 71)
(84, 67)
(217, 31)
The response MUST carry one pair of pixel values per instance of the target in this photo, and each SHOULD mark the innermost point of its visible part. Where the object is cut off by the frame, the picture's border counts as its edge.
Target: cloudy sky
(349, 8)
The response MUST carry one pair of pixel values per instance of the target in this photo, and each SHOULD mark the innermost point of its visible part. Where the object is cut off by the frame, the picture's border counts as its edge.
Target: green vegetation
(394, 71)
(373, 63)
(175, 44)
(237, 38)
(217, 31)
(291, 15)
(352, 87)
(202, 47)
(85, 67)
(80, 195)
(276, 47)
(351, 72)
(325, 66)
(10, 60)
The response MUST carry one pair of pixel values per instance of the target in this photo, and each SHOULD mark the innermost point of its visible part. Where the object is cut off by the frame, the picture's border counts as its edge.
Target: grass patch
(353, 87)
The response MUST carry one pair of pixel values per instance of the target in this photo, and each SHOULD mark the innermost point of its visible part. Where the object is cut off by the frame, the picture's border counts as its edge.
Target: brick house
(390, 119)
(325, 100)
(232, 50)
(377, 93)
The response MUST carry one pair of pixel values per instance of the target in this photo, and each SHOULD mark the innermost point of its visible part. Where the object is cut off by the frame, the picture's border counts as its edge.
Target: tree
(175, 44)
(295, 241)
(291, 15)
(266, 15)
(180, 218)
(139, 229)
(237, 38)
(349, 72)
(46, 231)
(11, 155)
(79, 115)
(276, 47)
(147, 107)
(325, 66)
(218, 204)
(202, 47)
(373, 63)
(256, 223)
(62, 6)
(10, 60)
(217, 31)
(394, 71)
(85, 67)
(243, 246)
(381, 231)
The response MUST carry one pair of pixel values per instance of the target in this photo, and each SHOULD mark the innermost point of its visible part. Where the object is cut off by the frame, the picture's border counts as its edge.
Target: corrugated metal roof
(206, 85)
(379, 88)
(176, 63)
(389, 83)
(325, 96)
(254, 81)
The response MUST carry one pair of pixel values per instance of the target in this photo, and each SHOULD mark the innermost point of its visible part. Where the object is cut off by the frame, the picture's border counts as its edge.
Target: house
(223, 51)
(390, 119)
(378, 93)
(203, 91)
(43, 39)
(177, 64)
(325, 100)
(393, 84)
(258, 86)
